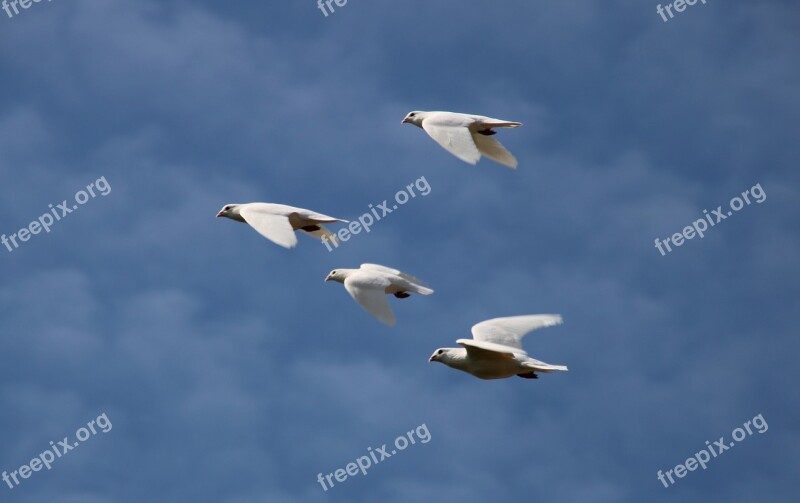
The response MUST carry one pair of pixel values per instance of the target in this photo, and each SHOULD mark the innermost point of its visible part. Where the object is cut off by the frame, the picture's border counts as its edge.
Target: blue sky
(231, 373)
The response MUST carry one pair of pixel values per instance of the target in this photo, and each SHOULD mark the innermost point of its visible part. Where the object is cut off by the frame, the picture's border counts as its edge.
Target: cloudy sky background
(231, 373)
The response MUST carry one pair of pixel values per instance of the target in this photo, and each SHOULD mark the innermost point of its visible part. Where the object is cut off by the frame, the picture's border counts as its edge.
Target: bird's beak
(404, 120)
(220, 213)
(432, 358)
(328, 278)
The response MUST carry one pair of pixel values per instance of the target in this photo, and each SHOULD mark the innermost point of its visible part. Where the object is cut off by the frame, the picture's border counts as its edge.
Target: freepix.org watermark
(16, 5)
(56, 213)
(363, 463)
(327, 5)
(376, 213)
(678, 5)
(713, 450)
(701, 225)
(57, 450)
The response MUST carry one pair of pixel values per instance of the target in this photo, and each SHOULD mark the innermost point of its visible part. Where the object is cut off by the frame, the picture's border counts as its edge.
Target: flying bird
(371, 283)
(278, 222)
(465, 136)
(495, 351)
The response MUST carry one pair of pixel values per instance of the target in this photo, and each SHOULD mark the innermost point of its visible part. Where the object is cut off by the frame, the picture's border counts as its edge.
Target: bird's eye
(411, 115)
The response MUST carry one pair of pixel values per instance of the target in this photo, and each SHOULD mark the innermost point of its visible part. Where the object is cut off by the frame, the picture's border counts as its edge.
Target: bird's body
(495, 352)
(488, 367)
(370, 284)
(278, 222)
(466, 136)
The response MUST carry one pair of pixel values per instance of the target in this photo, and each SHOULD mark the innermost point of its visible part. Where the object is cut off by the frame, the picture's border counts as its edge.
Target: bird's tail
(422, 290)
(500, 123)
(546, 368)
(321, 232)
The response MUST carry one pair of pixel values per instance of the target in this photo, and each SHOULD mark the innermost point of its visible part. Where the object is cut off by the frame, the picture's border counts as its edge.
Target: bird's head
(439, 355)
(414, 118)
(338, 275)
(229, 211)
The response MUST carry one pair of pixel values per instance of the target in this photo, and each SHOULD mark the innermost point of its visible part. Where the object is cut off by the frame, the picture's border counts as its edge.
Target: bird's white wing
(389, 270)
(510, 331)
(494, 150)
(370, 292)
(276, 228)
(454, 138)
(486, 350)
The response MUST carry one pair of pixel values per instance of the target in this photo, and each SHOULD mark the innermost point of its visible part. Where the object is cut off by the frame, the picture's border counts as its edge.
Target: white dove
(277, 222)
(465, 136)
(370, 284)
(495, 351)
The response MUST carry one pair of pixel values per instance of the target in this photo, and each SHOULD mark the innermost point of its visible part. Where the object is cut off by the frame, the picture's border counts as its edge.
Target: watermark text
(57, 450)
(701, 225)
(56, 213)
(363, 463)
(712, 450)
(377, 212)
